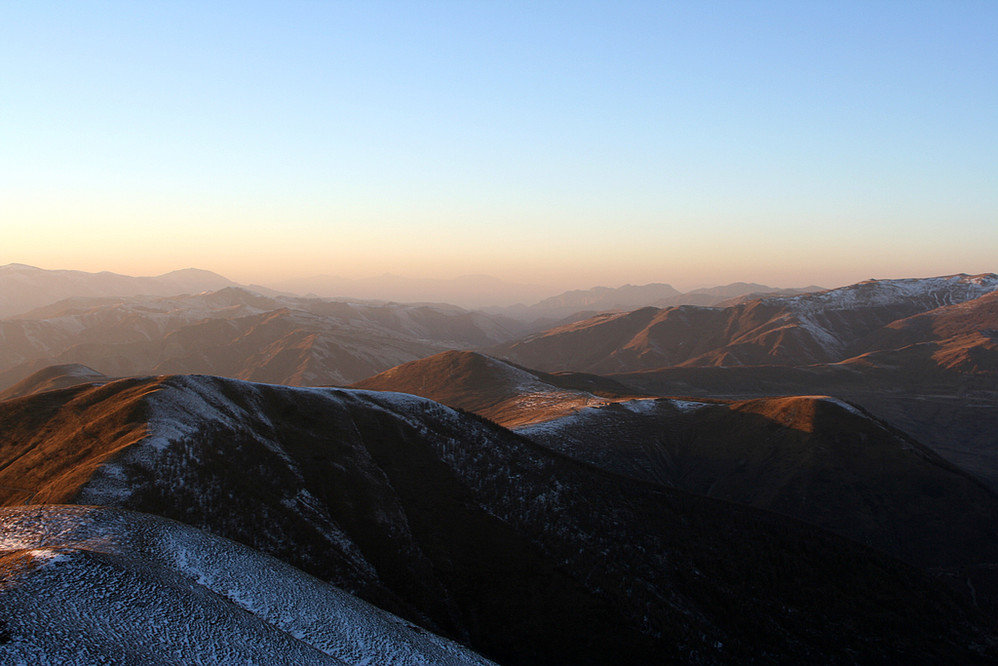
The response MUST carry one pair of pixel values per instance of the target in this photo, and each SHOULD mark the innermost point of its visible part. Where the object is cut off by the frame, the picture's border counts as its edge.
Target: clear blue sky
(565, 143)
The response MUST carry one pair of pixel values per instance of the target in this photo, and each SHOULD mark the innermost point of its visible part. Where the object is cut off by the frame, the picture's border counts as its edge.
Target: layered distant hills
(822, 327)
(919, 353)
(197, 321)
(24, 288)
(629, 297)
(239, 333)
(734, 475)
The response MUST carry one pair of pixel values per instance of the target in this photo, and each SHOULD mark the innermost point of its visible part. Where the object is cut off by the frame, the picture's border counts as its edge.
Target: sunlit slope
(507, 394)
(821, 327)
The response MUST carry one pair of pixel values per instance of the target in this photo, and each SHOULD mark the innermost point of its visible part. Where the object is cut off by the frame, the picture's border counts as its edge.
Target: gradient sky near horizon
(570, 144)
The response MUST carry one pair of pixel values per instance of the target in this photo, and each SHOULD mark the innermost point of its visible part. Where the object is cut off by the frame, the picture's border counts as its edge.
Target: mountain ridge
(802, 329)
(461, 519)
(214, 601)
(239, 333)
(24, 288)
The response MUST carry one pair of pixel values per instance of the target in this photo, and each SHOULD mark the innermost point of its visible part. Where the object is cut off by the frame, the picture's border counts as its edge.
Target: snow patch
(46, 555)
(687, 406)
(844, 405)
(161, 588)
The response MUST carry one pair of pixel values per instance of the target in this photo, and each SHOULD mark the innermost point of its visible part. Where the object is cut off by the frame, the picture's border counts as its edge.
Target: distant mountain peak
(194, 272)
(25, 288)
(53, 377)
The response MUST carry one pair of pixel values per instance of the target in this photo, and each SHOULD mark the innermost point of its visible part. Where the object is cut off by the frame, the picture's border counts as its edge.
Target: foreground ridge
(82, 585)
(470, 530)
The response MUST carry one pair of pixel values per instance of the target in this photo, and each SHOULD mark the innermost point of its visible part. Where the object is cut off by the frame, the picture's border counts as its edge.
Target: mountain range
(24, 288)
(238, 333)
(813, 458)
(469, 530)
(468, 291)
(630, 297)
(822, 327)
(197, 321)
(728, 476)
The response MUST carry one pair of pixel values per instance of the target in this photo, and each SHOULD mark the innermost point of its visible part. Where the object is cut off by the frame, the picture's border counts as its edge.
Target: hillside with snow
(85, 585)
(476, 533)
(823, 327)
(817, 459)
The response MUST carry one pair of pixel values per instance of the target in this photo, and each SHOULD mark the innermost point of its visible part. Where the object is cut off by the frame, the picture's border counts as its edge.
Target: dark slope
(525, 554)
(813, 458)
(943, 393)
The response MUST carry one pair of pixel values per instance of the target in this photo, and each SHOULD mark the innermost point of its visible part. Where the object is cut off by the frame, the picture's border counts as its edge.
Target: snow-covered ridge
(107, 582)
(944, 290)
(811, 312)
(852, 409)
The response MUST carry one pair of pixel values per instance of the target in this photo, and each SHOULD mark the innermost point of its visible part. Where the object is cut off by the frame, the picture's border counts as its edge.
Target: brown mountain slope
(237, 333)
(811, 328)
(952, 321)
(944, 392)
(51, 378)
(507, 394)
(53, 442)
(521, 552)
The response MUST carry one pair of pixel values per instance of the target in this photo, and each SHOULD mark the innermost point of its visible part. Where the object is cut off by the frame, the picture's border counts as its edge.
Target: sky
(569, 144)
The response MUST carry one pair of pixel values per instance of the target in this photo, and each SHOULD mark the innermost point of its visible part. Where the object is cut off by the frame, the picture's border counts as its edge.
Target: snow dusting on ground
(844, 405)
(96, 585)
(942, 290)
(643, 406)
